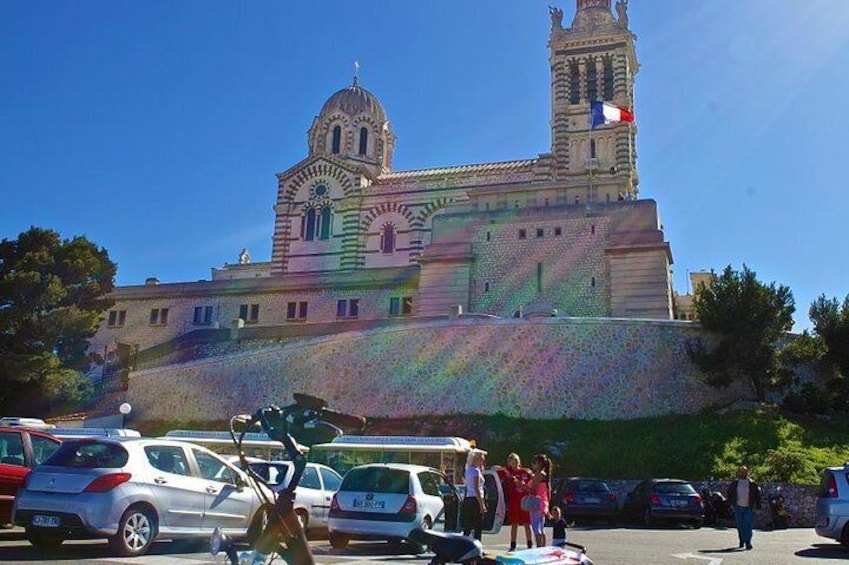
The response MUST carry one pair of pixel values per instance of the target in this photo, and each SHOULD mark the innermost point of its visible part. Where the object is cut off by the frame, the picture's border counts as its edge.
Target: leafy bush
(809, 399)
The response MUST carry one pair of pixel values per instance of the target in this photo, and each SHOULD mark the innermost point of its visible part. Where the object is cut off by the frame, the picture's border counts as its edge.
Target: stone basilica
(356, 242)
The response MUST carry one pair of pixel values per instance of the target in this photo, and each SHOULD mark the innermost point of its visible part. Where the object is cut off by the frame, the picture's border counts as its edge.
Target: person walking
(539, 488)
(474, 503)
(743, 494)
(515, 479)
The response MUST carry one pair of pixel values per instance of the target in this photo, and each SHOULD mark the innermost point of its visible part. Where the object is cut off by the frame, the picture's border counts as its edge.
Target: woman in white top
(474, 505)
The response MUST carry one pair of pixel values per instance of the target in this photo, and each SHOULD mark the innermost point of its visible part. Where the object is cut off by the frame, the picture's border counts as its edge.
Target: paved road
(608, 546)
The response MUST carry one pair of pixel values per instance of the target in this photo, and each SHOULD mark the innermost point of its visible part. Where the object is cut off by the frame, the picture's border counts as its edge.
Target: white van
(34, 423)
(447, 454)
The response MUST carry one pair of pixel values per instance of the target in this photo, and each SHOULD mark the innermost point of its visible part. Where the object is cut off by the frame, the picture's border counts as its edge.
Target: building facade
(564, 233)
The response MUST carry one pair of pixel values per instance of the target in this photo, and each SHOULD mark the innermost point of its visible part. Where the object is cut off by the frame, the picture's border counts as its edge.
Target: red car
(21, 449)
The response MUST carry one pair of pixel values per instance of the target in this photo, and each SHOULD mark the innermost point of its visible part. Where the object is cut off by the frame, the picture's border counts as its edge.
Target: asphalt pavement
(606, 545)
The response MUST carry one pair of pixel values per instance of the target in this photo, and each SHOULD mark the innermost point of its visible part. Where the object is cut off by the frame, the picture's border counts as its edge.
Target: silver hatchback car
(833, 505)
(315, 489)
(133, 490)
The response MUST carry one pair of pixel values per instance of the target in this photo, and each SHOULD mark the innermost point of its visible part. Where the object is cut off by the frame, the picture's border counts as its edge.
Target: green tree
(747, 318)
(831, 324)
(52, 293)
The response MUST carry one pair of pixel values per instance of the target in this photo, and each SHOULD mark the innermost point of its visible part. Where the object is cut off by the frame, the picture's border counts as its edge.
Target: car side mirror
(239, 482)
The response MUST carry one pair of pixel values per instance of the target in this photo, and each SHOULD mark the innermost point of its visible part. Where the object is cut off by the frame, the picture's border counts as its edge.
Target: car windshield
(588, 486)
(377, 479)
(89, 455)
(674, 488)
(272, 473)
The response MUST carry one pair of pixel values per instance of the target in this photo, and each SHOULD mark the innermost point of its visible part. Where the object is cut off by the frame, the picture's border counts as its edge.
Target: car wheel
(338, 541)
(258, 523)
(44, 540)
(698, 523)
(418, 548)
(303, 518)
(844, 537)
(136, 531)
(648, 519)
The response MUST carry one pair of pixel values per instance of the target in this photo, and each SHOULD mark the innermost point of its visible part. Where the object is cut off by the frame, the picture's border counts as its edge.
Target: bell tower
(593, 60)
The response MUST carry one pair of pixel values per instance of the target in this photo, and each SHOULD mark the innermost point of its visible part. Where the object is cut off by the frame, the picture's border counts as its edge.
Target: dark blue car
(665, 500)
(582, 498)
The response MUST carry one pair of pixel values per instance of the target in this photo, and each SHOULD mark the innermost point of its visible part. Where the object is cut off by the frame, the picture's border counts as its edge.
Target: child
(558, 533)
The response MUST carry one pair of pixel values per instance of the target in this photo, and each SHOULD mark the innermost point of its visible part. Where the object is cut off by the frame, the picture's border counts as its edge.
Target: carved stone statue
(622, 13)
(556, 17)
(244, 257)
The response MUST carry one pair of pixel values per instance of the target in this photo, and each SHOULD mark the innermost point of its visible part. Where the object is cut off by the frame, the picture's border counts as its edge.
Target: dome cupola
(353, 125)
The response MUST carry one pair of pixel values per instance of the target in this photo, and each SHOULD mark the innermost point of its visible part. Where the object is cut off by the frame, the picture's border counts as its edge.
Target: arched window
(574, 83)
(608, 78)
(337, 139)
(363, 141)
(310, 221)
(326, 222)
(387, 239)
(592, 149)
(592, 82)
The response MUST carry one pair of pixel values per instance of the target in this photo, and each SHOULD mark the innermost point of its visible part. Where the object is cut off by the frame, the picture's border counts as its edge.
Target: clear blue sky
(155, 128)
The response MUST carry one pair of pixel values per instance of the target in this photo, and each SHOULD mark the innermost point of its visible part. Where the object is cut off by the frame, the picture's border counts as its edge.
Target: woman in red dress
(515, 479)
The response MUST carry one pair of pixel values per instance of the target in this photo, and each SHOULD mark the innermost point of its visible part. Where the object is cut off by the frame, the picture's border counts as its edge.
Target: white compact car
(385, 501)
(315, 489)
(133, 490)
(833, 505)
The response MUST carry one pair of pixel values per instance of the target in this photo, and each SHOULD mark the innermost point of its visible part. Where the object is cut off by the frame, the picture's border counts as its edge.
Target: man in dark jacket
(744, 494)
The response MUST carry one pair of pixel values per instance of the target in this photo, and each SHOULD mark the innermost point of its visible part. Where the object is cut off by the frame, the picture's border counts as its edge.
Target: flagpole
(590, 152)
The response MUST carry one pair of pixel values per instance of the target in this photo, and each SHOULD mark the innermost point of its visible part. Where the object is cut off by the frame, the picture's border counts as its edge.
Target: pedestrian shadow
(824, 551)
(734, 549)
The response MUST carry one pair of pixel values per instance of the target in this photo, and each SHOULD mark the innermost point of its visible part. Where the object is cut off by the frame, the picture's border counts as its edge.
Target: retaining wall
(540, 368)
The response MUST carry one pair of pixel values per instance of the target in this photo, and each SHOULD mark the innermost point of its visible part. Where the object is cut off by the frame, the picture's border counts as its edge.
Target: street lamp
(125, 409)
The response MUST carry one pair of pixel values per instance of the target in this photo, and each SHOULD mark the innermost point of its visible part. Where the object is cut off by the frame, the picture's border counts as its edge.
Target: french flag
(603, 113)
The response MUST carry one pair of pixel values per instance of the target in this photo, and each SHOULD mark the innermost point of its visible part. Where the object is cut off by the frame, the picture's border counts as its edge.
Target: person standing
(474, 503)
(540, 488)
(515, 479)
(558, 527)
(743, 494)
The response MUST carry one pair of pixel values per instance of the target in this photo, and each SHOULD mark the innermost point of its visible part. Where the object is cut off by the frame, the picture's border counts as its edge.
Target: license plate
(678, 502)
(592, 500)
(368, 503)
(46, 521)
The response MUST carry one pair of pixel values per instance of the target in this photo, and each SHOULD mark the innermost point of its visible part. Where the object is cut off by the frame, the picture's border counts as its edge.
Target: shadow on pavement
(824, 551)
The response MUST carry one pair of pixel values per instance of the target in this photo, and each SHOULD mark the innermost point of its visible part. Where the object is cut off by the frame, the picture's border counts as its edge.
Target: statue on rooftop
(244, 257)
(622, 13)
(556, 17)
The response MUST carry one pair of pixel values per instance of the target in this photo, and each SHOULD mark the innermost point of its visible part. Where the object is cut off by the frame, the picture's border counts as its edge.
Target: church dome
(354, 100)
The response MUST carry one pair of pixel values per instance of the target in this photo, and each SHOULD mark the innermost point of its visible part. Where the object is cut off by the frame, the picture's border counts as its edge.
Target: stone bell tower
(593, 60)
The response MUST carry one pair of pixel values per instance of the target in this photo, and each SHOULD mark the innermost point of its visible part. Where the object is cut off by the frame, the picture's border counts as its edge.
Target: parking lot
(607, 545)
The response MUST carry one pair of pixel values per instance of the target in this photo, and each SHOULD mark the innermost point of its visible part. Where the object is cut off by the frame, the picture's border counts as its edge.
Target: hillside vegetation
(776, 446)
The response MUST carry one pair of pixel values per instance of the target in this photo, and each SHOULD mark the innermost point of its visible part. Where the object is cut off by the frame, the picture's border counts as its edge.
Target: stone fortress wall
(586, 368)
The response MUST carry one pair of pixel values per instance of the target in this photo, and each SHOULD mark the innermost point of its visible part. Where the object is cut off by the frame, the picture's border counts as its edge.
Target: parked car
(132, 491)
(21, 449)
(582, 498)
(385, 501)
(668, 500)
(33, 423)
(314, 493)
(833, 505)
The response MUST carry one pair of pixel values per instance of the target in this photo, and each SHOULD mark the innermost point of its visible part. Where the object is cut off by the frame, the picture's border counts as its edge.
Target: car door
(311, 496)
(179, 494)
(330, 481)
(13, 470)
(496, 508)
(229, 503)
(436, 486)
